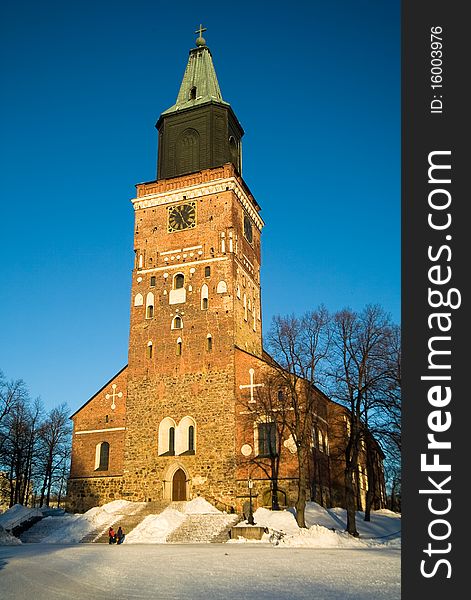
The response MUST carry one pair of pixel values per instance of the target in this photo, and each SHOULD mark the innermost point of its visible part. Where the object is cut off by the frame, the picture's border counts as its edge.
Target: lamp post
(250, 520)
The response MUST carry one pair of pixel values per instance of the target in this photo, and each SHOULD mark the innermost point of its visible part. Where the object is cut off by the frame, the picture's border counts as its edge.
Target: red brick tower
(195, 297)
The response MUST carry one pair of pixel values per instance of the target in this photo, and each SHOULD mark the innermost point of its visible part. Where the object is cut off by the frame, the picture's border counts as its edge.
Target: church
(172, 424)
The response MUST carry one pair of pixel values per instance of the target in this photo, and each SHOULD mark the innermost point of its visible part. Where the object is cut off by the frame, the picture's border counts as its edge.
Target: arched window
(245, 307)
(191, 438)
(186, 436)
(193, 93)
(178, 291)
(167, 429)
(209, 342)
(138, 300)
(320, 441)
(204, 296)
(222, 287)
(177, 322)
(149, 350)
(187, 151)
(266, 439)
(179, 347)
(326, 444)
(171, 440)
(178, 281)
(141, 261)
(102, 456)
(149, 305)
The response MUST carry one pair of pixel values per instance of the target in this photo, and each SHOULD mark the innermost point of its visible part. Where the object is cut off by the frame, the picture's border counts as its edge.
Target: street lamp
(250, 520)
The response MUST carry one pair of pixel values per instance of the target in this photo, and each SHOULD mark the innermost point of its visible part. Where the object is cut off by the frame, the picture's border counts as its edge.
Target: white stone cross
(114, 395)
(251, 385)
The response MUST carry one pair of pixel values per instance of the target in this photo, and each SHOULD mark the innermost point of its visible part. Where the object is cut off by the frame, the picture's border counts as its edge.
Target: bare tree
(361, 363)
(61, 479)
(11, 392)
(394, 484)
(300, 347)
(18, 438)
(33, 448)
(55, 437)
(383, 415)
(35, 416)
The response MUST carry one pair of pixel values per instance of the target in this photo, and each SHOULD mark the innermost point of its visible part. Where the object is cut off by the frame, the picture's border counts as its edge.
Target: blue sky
(316, 86)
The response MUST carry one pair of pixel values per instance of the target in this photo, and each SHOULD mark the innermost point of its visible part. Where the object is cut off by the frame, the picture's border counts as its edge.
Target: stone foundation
(84, 493)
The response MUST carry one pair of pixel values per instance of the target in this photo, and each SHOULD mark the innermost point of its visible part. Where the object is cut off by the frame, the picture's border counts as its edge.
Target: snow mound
(70, 531)
(281, 520)
(108, 513)
(154, 529)
(315, 514)
(318, 536)
(7, 539)
(326, 528)
(16, 515)
(200, 506)
(118, 506)
(384, 524)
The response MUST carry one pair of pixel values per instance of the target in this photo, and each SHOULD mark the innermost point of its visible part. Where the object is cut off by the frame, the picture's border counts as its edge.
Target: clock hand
(184, 218)
(178, 215)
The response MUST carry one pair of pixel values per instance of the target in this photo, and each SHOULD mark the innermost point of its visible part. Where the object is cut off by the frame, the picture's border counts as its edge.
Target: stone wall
(207, 397)
(84, 493)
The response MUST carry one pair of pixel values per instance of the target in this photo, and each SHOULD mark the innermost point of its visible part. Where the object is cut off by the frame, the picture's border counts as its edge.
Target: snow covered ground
(318, 563)
(197, 572)
(325, 526)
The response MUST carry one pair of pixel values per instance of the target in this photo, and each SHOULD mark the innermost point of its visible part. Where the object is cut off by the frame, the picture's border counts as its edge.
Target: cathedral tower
(195, 298)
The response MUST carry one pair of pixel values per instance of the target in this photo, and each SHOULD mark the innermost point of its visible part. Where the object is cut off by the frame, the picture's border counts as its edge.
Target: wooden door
(179, 486)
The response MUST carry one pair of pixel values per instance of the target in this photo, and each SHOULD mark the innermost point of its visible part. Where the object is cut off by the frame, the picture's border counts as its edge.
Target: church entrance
(179, 486)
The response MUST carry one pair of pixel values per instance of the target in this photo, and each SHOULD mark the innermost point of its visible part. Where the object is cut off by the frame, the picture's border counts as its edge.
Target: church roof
(200, 83)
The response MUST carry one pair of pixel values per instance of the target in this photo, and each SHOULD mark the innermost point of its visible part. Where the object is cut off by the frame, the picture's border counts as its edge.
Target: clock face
(248, 229)
(182, 216)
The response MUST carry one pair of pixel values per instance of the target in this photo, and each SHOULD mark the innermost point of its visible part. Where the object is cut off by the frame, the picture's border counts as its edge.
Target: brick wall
(94, 423)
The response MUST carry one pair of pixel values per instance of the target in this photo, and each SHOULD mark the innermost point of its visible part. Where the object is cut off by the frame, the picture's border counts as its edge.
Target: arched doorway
(179, 486)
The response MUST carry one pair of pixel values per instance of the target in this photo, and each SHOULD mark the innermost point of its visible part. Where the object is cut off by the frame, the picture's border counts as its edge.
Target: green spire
(200, 84)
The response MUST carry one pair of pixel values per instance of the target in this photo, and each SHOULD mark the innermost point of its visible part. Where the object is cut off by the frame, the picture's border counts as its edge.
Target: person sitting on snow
(111, 536)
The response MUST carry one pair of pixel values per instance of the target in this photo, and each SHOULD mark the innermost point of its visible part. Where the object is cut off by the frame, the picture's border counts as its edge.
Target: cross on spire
(200, 41)
(200, 30)
(251, 385)
(114, 395)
